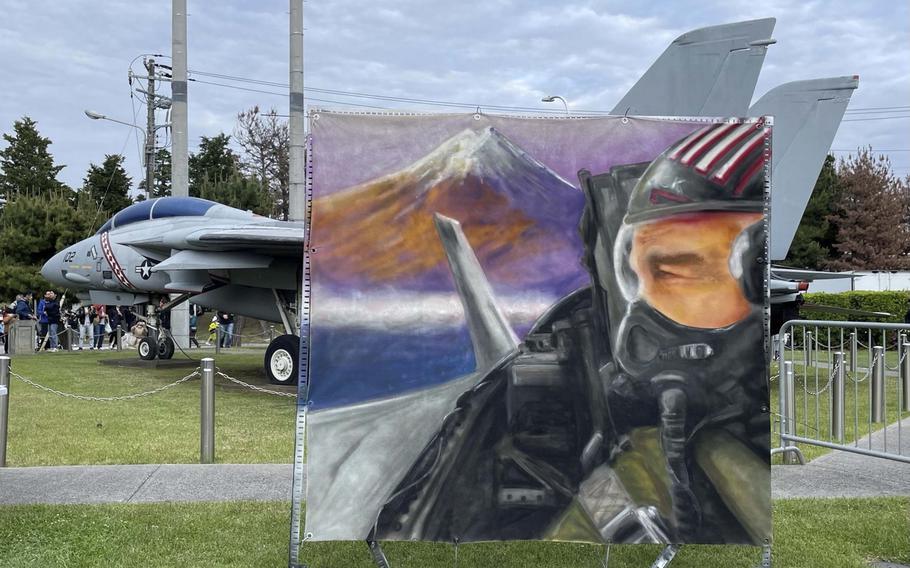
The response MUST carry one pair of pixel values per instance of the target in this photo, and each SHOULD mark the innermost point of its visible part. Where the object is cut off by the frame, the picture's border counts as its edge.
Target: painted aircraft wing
(709, 71)
(491, 335)
(806, 116)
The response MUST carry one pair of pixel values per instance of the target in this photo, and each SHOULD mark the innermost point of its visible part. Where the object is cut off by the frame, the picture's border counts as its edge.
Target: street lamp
(149, 146)
(552, 98)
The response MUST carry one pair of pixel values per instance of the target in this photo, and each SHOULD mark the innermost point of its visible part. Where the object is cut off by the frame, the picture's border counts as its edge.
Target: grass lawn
(836, 533)
(46, 429)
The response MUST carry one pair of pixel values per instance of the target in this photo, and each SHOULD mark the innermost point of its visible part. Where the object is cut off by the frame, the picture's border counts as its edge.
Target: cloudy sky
(60, 58)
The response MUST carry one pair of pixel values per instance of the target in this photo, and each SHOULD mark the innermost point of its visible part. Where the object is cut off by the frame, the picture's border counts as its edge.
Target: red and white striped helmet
(720, 167)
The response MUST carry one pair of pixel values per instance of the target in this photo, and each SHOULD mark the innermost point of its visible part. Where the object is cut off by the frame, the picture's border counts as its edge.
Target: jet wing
(809, 275)
(268, 240)
(806, 117)
(705, 72)
(207, 260)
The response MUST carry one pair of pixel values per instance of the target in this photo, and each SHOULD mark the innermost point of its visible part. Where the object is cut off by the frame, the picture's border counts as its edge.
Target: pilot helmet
(707, 190)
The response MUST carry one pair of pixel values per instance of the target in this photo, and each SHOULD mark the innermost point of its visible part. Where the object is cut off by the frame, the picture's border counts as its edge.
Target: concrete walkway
(845, 474)
(837, 474)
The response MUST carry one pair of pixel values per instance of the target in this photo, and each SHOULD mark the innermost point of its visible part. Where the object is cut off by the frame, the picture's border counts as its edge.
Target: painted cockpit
(158, 208)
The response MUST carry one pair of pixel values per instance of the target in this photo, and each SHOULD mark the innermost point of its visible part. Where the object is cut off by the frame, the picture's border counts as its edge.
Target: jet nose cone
(52, 271)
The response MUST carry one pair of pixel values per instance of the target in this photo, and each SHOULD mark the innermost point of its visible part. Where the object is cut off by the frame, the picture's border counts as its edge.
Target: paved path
(845, 474)
(837, 474)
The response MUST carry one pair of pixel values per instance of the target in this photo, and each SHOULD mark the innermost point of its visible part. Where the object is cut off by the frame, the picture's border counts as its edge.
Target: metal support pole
(877, 398)
(4, 406)
(905, 378)
(119, 338)
(837, 398)
(150, 132)
(207, 412)
(787, 407)
(669, 552)
(296, 135)
(853, 350)
(218, 339)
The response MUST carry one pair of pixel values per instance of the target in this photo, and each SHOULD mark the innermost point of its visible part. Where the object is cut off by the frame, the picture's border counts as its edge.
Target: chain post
(119, 337)
(4, 406)
(207, 412)
(905, 377)
(837, 398)
(787, 407)
(218, 339)
(853, 350)
(877, 398)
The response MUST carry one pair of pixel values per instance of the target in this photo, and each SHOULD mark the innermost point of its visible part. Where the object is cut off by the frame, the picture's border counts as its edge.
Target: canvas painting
(538, 329)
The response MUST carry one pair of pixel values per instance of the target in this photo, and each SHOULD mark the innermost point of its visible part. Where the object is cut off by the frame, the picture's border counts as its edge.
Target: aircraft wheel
(148, 350)
(166, 348)
(281, 360)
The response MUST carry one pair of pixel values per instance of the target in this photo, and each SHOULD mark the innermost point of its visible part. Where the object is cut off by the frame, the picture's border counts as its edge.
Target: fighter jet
(221, 257)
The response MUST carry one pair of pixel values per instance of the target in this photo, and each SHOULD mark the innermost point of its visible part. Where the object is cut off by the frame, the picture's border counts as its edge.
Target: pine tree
(26, 165)
(32, 229)
(870, 223)
(813, 243)
(108, 185)
(162, 187)
(238, 191)
(214, 162)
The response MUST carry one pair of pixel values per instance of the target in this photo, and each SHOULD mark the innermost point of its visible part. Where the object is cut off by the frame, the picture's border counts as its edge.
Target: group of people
(95, 325)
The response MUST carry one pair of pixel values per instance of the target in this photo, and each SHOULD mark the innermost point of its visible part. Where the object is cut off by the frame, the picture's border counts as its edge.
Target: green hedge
(895, 303)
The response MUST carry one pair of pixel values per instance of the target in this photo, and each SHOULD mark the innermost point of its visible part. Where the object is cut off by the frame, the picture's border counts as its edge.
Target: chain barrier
(253, 387)
(897, 367)
(824, 388)
(30, 382)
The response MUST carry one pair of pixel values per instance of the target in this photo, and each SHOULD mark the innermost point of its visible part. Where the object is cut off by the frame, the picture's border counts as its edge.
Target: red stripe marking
(727, 149)
(684, 147)
(706, 145)
(744, 181)
(112, 261)
(731, 167)
(661, 194)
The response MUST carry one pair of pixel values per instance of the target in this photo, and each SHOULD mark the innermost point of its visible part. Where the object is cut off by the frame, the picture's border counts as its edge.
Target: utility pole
(180, 315)
(296, 166)
(150, 130)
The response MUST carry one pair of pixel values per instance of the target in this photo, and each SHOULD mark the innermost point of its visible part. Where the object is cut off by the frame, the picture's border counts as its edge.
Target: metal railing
(838, 388)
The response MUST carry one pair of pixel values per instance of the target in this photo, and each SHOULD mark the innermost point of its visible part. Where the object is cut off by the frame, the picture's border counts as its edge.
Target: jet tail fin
(705, 72)
(806, 116)
(491, 334)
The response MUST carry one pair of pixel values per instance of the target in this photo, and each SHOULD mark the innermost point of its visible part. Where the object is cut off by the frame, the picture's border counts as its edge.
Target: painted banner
(549, 329)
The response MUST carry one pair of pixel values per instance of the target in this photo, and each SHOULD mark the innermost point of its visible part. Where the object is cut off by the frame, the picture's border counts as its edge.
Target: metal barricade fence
(844, 386)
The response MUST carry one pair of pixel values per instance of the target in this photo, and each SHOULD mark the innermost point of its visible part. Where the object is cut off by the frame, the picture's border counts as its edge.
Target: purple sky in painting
(387, 144)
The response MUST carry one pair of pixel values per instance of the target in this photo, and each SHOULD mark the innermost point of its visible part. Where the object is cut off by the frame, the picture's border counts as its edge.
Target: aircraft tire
(281, 360)
(166, 348)
(147, 348)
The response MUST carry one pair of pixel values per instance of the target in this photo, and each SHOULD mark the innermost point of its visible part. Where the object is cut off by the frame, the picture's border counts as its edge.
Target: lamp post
(150, 150)
(552, 98)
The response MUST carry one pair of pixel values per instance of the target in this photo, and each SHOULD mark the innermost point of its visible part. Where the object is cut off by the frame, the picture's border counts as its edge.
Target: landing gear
(165, 348)
(148, 349)
(282, 360)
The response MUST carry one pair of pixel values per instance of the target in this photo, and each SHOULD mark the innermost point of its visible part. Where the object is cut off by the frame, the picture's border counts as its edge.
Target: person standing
(99, 319)
(114, 320)
(52, 316)
(226, 321)
(23, 309)
(42, 322)
(85, 327)
(194, 322)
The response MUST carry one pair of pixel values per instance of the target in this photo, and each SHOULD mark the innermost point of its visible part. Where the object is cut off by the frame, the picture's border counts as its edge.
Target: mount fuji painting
(386, 315)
